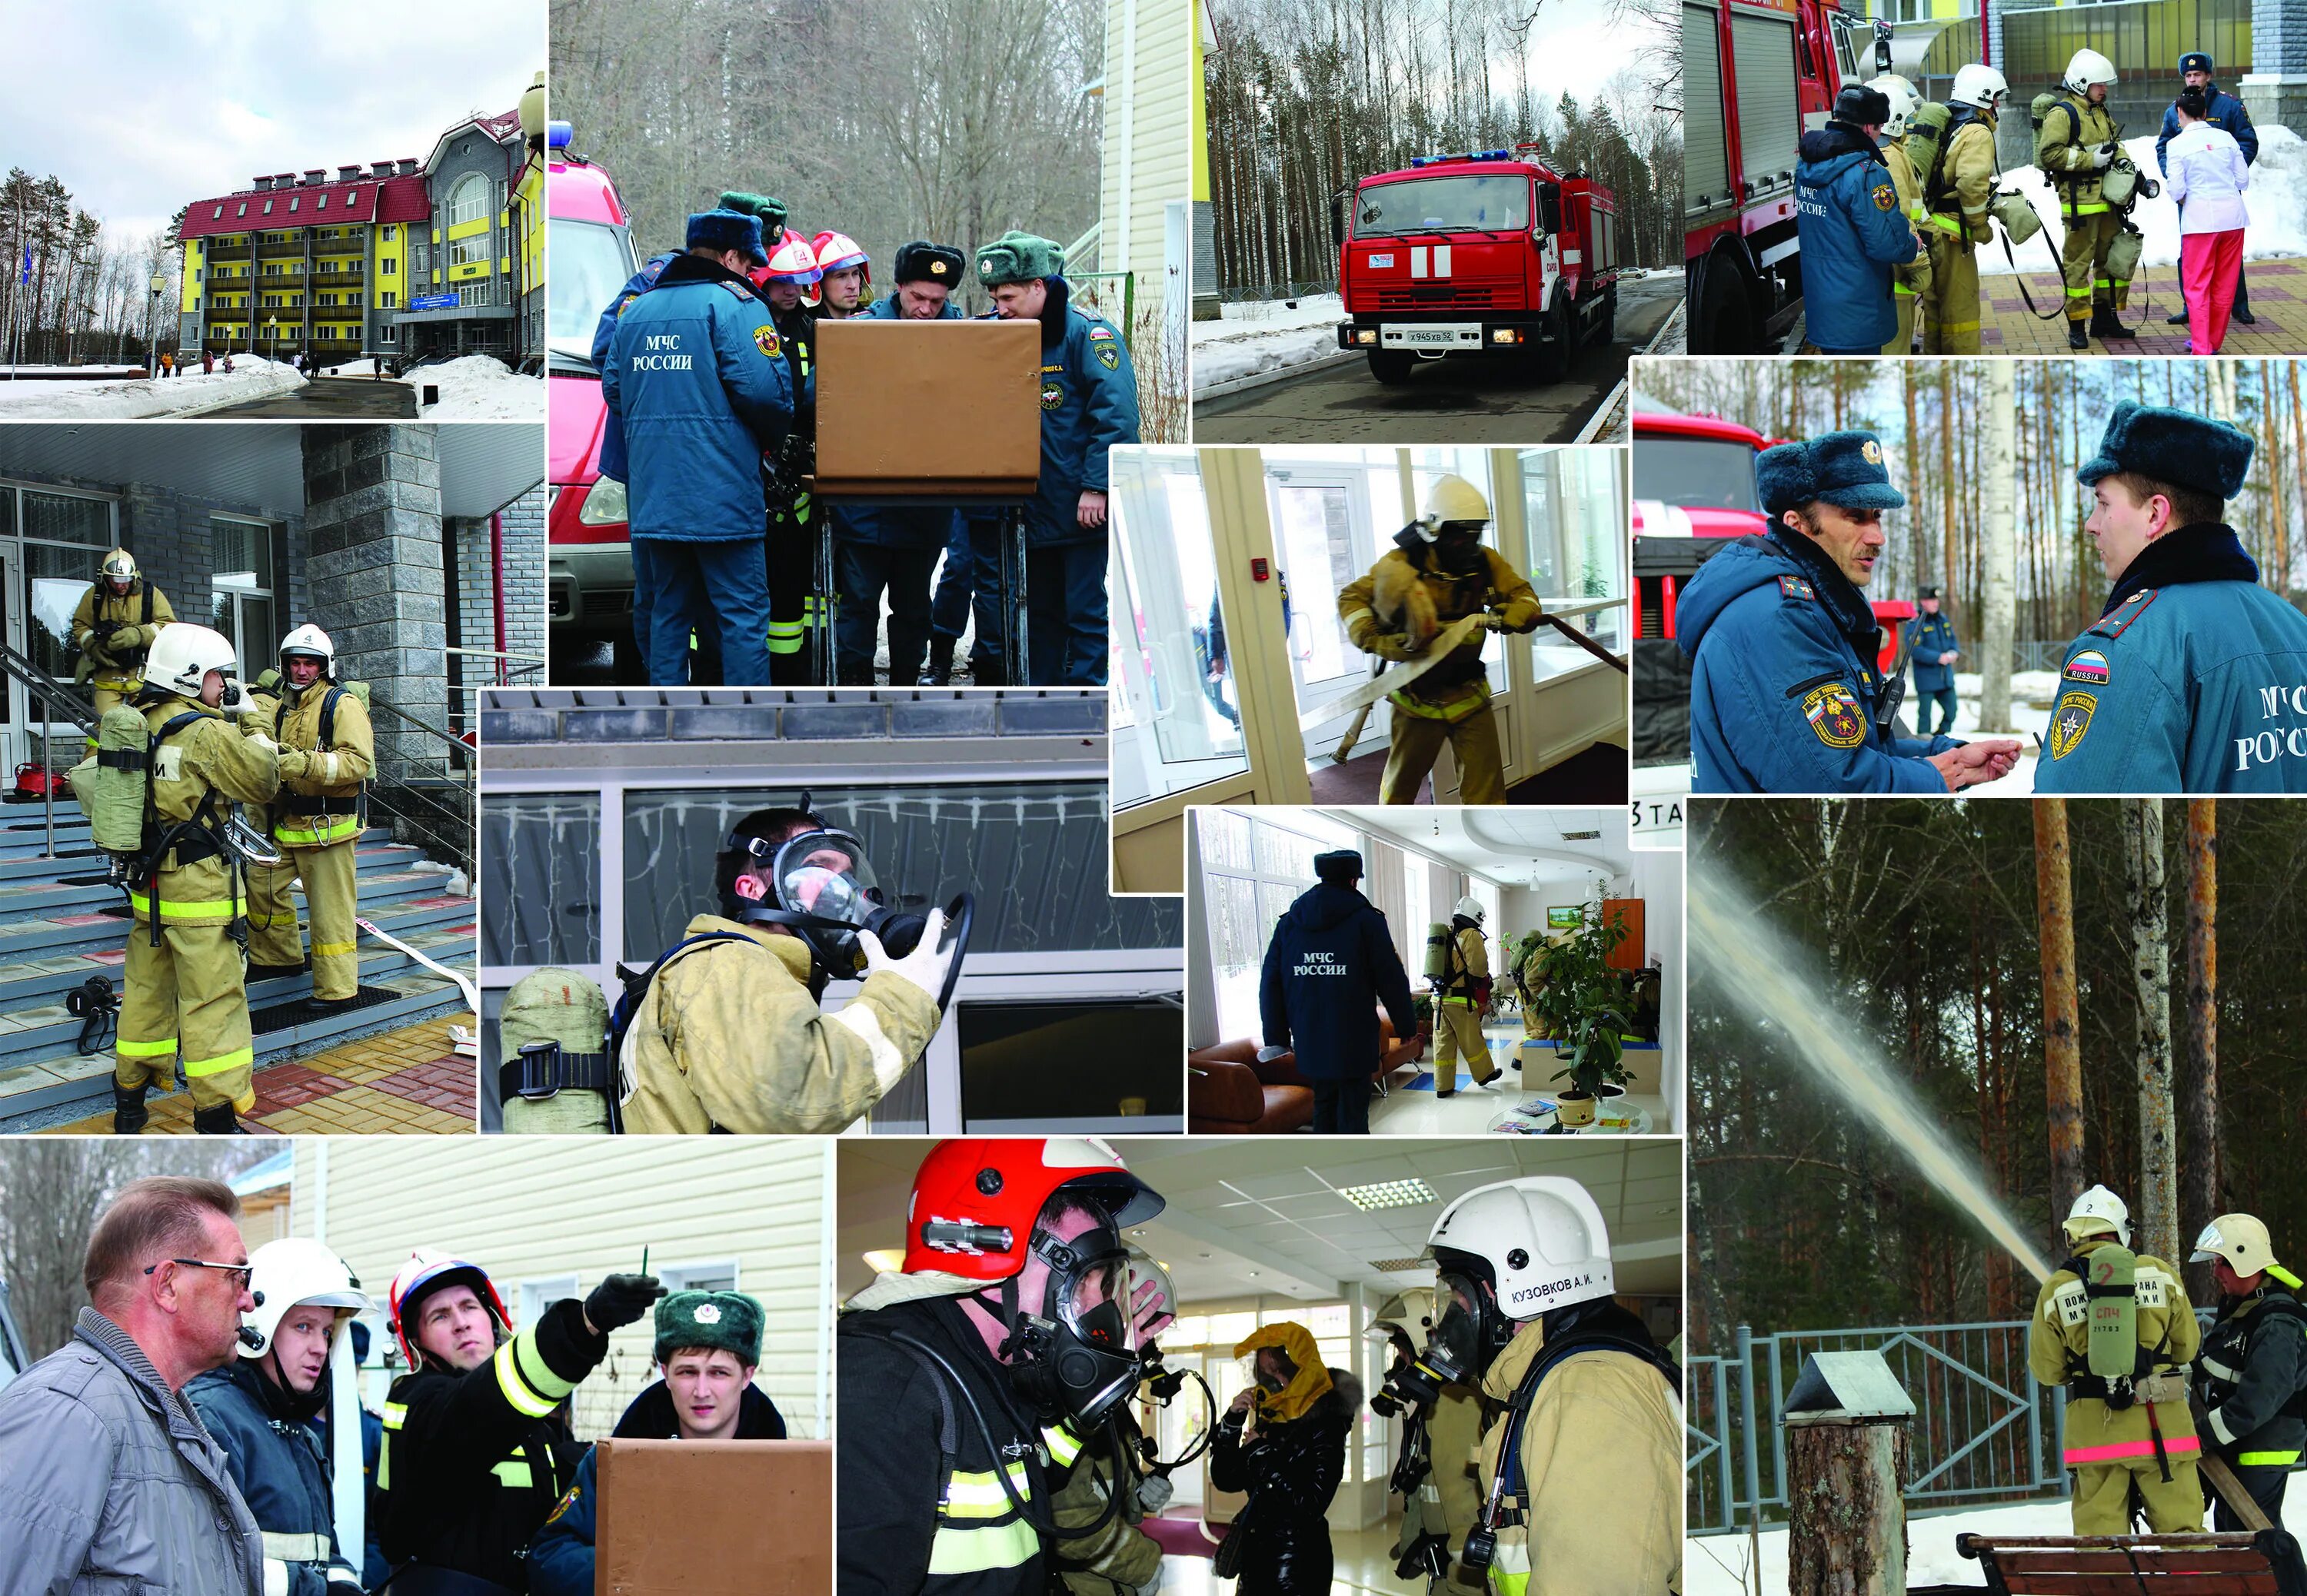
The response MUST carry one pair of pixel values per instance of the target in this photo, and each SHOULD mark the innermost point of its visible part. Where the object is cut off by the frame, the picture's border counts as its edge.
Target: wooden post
(2063, 1071)
(1846, 1522)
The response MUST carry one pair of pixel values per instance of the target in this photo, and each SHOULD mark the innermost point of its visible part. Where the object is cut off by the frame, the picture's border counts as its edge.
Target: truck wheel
(1550, 359)
(1721, 327)
(1391, 366)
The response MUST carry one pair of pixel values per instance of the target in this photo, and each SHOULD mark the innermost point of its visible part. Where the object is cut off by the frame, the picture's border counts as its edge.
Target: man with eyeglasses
(108, 1482)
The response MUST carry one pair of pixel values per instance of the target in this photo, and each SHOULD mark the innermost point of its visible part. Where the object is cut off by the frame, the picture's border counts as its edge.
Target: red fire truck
(1485, 254)
(1756, 74)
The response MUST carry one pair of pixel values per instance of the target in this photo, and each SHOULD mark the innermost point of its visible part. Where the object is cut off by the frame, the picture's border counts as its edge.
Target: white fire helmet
(1452, 497)
(182, 656)
(2238, 1238)
(1469, 908)
(1410, 1312)
(1903, 100)
(2098, 1212)
(2088, 67)
(1980, 86)
(1542, 1237)
(119, 566)
(292, 1270)
(312, 641)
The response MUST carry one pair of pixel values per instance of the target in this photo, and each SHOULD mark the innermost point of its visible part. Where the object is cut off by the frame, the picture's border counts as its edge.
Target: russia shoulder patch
(1796, 587)
(1884, 196)
(1098, 330)
(765, 339)
(2087, 666)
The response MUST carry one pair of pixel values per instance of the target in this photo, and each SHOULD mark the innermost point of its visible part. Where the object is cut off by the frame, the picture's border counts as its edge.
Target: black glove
(621, 1299)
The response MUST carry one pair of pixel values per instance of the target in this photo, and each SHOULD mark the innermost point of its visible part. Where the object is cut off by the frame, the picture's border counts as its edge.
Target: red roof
(503, 125)
(369, 199)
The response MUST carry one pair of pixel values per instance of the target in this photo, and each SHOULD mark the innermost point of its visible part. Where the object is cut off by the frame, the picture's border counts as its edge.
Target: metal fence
(1236, 294)
(1983, 1429)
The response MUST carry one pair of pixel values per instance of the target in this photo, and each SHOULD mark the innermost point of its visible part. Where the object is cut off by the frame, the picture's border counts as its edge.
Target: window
(590, 262)
(1252, 867)
(550, 845)
(389, 335)
(537, 1295)
(292, 202)
(721, 1276)
(321, 204)
(268, 208)
(388, 231)
(1574, 504)
(240, 589)
(273, 268)
(65, 534)
(243, 208)
(387, 300)
(296, 300)
(470, 252)
(217, 214)
(1007, 1087)
(1174, 723)
(468, 201)
(388, 267)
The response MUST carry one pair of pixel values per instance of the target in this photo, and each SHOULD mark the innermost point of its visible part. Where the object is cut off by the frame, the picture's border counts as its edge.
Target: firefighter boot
(2077, 339)
(940, 670)
(2103, 325)
(129, 1114)
(218, 1120)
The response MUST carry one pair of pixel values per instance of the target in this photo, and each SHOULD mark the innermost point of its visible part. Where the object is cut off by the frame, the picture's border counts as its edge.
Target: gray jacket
(110, 1487)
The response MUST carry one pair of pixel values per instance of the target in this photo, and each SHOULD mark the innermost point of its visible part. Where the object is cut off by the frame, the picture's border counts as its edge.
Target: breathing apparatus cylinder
(2110, 1282)
(1437, 950)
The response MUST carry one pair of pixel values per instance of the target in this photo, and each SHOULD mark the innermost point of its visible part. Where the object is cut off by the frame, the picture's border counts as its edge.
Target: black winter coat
(1329, 966)
(1290, 1472)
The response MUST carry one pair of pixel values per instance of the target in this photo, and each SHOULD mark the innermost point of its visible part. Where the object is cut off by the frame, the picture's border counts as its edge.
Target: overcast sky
(139, 107)
(1576, 47)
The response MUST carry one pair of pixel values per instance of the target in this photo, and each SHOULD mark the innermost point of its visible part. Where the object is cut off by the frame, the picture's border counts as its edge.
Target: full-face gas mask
(1077, 1356)
(1469, 1331)
(821, 885)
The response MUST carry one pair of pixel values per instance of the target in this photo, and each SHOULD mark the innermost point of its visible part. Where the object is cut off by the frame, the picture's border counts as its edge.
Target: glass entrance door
(1323, 540)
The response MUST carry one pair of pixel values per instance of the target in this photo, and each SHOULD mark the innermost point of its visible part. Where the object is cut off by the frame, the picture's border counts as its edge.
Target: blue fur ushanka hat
(1841, 468)
(2170, 445)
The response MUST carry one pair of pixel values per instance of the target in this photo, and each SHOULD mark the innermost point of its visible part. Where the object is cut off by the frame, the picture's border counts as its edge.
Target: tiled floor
(403, 1081)
(1363, 1562)
(2278, 298)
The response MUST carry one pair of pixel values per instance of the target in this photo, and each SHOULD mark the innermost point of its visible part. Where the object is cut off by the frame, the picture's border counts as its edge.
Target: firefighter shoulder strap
(1595, 1338)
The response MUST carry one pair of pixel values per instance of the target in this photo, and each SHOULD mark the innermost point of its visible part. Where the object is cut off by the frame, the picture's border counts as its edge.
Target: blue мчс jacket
(277, 1461)
(2196, 684)
(697, 375)
(560, 1558)
(1930, 638)
(1852, 232)
(2224, 111)
(1329, 966)
(612, 435)
(1089, 403)
(1782, 695)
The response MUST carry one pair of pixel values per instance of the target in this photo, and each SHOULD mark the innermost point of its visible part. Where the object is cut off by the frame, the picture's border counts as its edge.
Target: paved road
(1477, 402)
(335, 398)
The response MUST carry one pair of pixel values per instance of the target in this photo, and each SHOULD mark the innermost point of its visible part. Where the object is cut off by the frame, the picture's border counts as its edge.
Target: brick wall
(524, 590)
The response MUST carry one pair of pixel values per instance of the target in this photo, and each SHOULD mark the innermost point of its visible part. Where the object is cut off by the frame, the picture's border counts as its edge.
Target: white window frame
(538, 1294)
(461, 206)
(683, 1276)
(1278, 820)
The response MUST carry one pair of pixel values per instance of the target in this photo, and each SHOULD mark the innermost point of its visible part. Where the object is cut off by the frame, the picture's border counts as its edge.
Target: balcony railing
(273, 252)
(337, 279)
(227, 252)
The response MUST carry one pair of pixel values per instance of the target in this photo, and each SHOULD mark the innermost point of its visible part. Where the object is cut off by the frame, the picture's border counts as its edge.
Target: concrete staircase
(60, 924)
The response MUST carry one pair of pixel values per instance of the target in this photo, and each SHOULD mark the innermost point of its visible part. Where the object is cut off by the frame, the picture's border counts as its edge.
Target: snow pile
(479, 388)
(2277, 198)
(473, 387)
(1268, 334)
(2034, 694)
(140, 396)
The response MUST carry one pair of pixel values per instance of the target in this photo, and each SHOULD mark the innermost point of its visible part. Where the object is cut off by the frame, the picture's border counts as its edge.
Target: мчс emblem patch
(2069, 720)
(2088, 666)
(1052, 395)
(1109, 356)
(1832, 712)
(765, 339)
(1884, 196)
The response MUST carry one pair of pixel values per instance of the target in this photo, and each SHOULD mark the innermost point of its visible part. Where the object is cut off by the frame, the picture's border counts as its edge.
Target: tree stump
(1847, 1530)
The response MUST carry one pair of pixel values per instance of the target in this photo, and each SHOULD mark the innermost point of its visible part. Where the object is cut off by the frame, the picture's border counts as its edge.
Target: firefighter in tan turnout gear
(2078, 147)
(1590, 1434)
(1462, 991)
(316, 819)
(118, 617)
(1440, 573)
(2114, 1329)
(1911, 284)
(183, 1005)
(1958, 222)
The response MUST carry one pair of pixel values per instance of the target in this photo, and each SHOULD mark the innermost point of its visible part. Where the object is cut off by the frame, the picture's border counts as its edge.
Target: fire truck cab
(1486, 253)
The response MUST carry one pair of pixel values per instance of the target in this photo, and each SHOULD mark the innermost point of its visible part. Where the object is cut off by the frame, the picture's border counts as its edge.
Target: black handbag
(1226, 1562)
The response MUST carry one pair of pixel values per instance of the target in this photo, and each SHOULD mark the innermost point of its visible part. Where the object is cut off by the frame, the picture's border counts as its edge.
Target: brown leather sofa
(1229, 1093)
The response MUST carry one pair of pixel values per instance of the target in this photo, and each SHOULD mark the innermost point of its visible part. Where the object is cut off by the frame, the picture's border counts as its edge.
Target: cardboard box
(713, 1518)
(929, 408)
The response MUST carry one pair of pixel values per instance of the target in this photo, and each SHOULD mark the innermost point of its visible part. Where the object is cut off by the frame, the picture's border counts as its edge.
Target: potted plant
(1583, 1004)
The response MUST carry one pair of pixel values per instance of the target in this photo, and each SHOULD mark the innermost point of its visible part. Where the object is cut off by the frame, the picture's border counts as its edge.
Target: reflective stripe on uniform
(338, 828)
(513, 1471)
(238, 1057)
(1064, 1445)
(1509, 1562)
(329, 950)
(1946, 224)
(954, 1551)
(980, 1495)
(395, 1414)
(296, 1548)
(2219, 1369)
(531, 1388)
(786, 637)
(175, 908)
(2266, 1460)
(2092, 207)
(2117, 1451)
(1951, 327)
(127, 1049)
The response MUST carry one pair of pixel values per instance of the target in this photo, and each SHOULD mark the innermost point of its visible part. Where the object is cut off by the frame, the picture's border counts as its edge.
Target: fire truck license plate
(1443, 334)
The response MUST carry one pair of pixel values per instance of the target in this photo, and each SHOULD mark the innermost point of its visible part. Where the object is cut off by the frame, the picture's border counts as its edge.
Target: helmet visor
(826, 873)
(1454, 1349)
(1153, 1300)
(1089, 1288)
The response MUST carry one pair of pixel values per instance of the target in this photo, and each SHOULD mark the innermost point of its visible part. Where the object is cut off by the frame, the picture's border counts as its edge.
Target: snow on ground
(1267, 335)
(139, 397)
(2277, 198)
(473, 387)
(2033, 695)
(1711, 1565)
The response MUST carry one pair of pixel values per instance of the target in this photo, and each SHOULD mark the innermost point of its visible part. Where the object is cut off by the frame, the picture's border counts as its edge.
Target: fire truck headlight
(1366, 335)
(1506, 334)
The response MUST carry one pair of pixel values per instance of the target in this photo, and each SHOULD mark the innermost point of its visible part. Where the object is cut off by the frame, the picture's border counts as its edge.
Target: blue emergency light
(558, 134)
(1471, 155)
